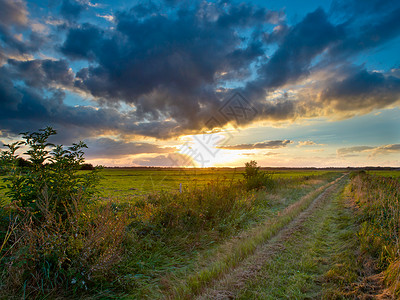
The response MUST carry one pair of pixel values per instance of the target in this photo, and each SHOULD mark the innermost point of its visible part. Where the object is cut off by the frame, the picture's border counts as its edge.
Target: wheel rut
(229, 284)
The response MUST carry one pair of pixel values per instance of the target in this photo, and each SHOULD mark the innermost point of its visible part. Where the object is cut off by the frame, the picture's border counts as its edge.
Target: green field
(125, 183)
(385, 173)
(131, 182)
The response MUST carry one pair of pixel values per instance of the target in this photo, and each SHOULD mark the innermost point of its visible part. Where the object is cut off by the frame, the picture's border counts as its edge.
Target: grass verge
(376, 201)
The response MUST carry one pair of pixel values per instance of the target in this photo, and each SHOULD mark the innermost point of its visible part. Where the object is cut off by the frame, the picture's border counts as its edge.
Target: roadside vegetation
(377, 201)
(59, 238)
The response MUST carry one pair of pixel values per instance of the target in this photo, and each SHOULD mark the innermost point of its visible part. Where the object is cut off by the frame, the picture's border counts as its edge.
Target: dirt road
(231, 284)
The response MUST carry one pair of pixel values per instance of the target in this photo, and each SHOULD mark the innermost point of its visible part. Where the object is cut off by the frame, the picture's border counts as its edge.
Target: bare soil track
(229, 285)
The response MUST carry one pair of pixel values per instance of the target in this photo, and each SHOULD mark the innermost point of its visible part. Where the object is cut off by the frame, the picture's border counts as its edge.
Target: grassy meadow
(130, 234)
(385, 173)
(128, 182)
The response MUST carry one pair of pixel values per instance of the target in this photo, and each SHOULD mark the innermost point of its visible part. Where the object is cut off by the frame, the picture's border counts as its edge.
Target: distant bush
(87, 167)
(53, 239)
(257, 179)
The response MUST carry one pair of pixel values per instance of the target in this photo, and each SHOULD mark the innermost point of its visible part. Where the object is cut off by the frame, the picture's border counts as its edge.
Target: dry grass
(62, 255)
(378, 208)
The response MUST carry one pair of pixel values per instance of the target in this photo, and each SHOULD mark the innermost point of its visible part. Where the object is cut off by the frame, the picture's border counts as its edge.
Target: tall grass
(378, 200)
(127, 247)
(62, 256)
(200, 208)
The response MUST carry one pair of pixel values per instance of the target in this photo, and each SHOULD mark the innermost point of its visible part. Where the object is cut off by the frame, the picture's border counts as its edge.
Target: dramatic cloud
(362, 91)
(71, 9)
(42, 73)
(300, 46)
(263, 145)
(167, 69)
(14, 20)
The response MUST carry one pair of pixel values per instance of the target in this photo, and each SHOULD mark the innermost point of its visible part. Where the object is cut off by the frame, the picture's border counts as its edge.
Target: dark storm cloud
(263, 145)
(371, 33)
(82, 42)
(362, 90)
(174, 66)
(25, 108)
(13, 19)
(42, 73)
(167, 67)
(71, 9)
(313, 45)
(302, 43)
(180, 55)
(109, 148)
(246, 15)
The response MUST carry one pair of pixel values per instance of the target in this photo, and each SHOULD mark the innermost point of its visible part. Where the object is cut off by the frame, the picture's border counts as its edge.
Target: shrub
(50, 169)
(55, 239)
(87, 167)
(256, 179)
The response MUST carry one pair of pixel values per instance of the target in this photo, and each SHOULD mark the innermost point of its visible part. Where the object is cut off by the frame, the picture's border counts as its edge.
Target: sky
(206, 83)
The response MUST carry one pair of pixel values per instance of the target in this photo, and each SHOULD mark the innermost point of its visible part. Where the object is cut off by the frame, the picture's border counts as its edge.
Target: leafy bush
(49, 169)
(256, 179)
(87, 167)
(54, 240)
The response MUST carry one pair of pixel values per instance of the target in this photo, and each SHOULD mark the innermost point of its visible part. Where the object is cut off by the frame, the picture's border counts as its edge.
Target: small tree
(50, 171)
(52, 240)
(256, 179)
(251, 169)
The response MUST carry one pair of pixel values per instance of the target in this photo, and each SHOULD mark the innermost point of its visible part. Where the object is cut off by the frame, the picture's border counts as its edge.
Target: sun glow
(204, 151)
